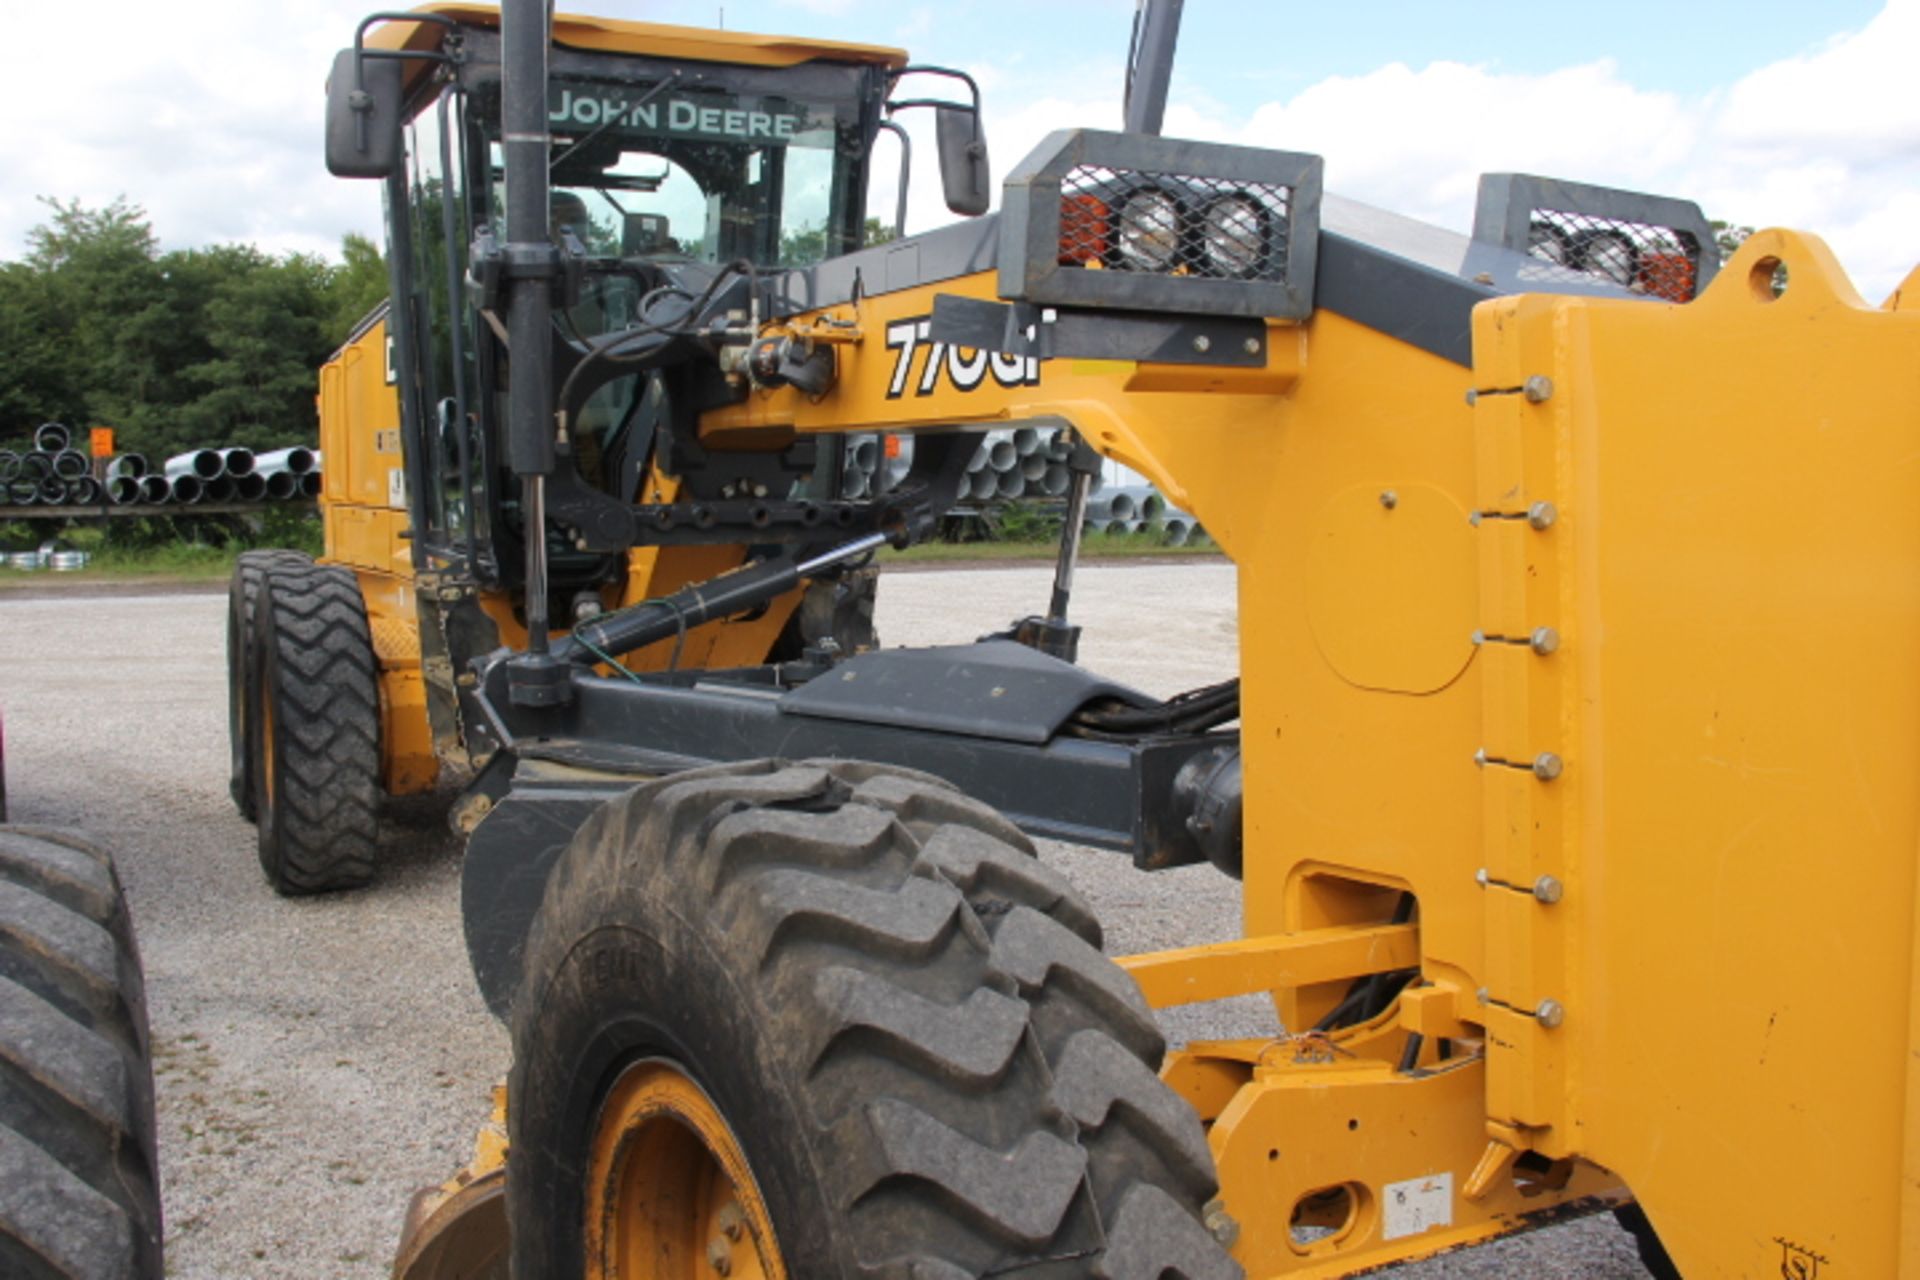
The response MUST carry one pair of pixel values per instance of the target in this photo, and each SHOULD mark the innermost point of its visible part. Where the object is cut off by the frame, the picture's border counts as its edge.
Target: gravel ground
(318, 1060)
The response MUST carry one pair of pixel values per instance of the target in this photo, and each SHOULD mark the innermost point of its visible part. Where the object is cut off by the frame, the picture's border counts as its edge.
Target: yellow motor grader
(1569, 770)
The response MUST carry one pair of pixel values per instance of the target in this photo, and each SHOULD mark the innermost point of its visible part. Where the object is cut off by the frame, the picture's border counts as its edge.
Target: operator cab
(678, 157)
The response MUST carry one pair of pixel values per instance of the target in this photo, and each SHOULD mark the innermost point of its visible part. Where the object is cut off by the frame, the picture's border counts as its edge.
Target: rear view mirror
(644, 233)
(363, 121)
(963, 159)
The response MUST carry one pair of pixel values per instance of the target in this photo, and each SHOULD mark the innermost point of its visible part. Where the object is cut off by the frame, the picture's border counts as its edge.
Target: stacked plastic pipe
(54, 473)
(1022, 464)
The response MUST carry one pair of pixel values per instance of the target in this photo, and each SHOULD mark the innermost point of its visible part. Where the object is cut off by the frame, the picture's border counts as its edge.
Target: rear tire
(79, 1182)
(903, 1017)
(318, 759)
(243, 670)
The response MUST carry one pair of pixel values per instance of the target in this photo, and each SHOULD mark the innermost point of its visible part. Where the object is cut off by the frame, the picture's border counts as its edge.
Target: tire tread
(79, 1179)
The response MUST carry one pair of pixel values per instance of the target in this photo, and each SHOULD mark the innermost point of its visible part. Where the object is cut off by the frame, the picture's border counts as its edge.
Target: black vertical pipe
(402, 336)
(1156, 29)
(524, 32)
(456, 317)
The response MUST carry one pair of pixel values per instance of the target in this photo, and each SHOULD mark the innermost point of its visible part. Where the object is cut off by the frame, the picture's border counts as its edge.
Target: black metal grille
(1658, 261)
(1173, 224)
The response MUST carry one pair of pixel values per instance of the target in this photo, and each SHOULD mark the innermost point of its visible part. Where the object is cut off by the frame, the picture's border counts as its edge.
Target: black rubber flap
(994, 689)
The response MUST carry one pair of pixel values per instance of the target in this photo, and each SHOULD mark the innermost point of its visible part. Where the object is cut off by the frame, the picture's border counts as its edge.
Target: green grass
(127, 557)
(1098, 546)
(156, 551)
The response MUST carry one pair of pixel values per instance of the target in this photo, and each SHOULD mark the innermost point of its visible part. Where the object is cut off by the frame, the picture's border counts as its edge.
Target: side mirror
(963, 160)
(363, 122)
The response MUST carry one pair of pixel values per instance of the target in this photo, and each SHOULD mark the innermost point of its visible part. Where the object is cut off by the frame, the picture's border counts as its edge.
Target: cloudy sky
(1765, 112)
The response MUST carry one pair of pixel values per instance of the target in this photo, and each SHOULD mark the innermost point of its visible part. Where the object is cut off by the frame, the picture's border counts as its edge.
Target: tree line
(175, 350)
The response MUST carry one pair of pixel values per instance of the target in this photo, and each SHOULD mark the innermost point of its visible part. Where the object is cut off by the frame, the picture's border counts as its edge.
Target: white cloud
(212, 121)
(1828, 141)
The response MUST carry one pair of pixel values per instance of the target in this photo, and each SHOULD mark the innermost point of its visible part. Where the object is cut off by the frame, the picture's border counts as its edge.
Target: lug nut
(1220, 1224)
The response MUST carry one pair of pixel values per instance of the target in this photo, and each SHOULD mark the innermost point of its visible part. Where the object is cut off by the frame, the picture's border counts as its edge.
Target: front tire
(318, 759)
(901, 1018)
(79, 1181)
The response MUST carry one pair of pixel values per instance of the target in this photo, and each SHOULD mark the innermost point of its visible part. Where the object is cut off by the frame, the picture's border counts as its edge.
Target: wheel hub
(670, 1195)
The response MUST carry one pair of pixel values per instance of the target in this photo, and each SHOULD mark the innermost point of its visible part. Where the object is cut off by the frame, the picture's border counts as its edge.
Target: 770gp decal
(966, 369)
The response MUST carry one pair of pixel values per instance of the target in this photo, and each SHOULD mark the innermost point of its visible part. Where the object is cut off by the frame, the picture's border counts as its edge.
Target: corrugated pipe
(310, 482)
(123, 491)
(186, 489)
(131, 465)
(1026, 441)
(71, 464)
(155, 489)
(218, 489)
(249, 487)
(237, 461)
(52, 437)
(282, 484)
(9, 466)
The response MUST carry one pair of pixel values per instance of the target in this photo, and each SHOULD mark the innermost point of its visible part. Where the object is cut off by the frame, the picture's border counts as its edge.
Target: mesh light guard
(1063, 208)
(1655, 245)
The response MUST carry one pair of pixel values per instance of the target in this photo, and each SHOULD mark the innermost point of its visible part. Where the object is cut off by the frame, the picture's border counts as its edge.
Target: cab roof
(615, 35)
